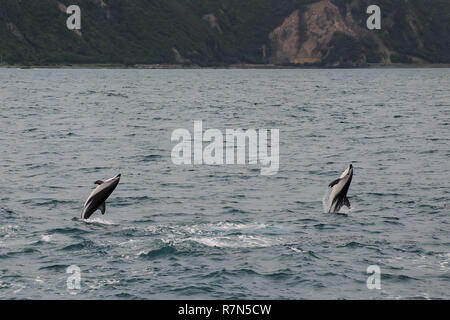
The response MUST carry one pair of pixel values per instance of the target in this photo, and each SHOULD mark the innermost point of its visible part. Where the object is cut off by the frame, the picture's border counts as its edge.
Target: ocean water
(209, 232)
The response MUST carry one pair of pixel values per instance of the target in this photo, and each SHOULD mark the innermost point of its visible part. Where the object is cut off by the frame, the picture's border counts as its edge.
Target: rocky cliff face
(325, 34)
(321, 20)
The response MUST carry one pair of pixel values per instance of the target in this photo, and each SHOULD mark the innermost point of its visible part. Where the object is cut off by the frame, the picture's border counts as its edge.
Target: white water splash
(241, 241)
(8, 230)
(46, 237)
(205, 228)
(225, 226)
(99, 221)
(39, 280)
(297, 250)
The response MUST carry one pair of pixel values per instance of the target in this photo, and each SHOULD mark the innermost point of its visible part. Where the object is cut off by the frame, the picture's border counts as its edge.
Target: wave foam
(241, 241)
(46, 237)
(99, 221)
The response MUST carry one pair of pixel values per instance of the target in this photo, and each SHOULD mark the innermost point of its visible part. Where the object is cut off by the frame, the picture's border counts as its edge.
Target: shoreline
(227, 67)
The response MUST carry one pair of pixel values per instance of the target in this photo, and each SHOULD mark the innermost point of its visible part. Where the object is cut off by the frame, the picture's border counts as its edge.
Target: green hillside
(213, 32)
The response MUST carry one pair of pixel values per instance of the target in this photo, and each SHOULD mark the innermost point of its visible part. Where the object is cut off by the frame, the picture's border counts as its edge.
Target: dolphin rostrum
(339, 190)
(98, 196)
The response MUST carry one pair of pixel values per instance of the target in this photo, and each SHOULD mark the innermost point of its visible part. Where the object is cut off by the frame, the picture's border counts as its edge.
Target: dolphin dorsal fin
(102, 208)
(99, 182)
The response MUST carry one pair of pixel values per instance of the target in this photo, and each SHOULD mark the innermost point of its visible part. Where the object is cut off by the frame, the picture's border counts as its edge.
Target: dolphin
(339, 190)
(98, 196)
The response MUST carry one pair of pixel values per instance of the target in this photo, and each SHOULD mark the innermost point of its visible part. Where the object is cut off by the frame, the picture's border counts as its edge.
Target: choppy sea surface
(208, 232)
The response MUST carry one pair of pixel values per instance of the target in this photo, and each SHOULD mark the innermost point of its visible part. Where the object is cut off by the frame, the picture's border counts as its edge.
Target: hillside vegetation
(224, 32)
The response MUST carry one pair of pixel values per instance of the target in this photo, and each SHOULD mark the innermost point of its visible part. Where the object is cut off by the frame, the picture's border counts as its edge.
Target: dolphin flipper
(332, 183)
(102, 208)
(99, 182)
(346, 202)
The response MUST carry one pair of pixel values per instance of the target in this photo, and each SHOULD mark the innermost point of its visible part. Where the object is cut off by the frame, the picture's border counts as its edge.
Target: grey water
(224, 232)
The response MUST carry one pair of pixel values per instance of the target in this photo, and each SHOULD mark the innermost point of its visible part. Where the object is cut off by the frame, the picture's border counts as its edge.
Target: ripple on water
(157, 253)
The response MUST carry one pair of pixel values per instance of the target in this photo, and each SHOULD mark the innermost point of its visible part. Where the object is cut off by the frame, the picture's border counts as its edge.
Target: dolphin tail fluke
(102, 208)
(346, 202)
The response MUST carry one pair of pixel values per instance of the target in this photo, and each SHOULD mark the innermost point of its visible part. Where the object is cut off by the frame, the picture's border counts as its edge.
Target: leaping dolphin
(97, 198)
(340, 186)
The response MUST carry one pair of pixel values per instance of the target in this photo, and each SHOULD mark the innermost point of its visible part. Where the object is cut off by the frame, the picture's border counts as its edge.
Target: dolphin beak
(118, 176)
